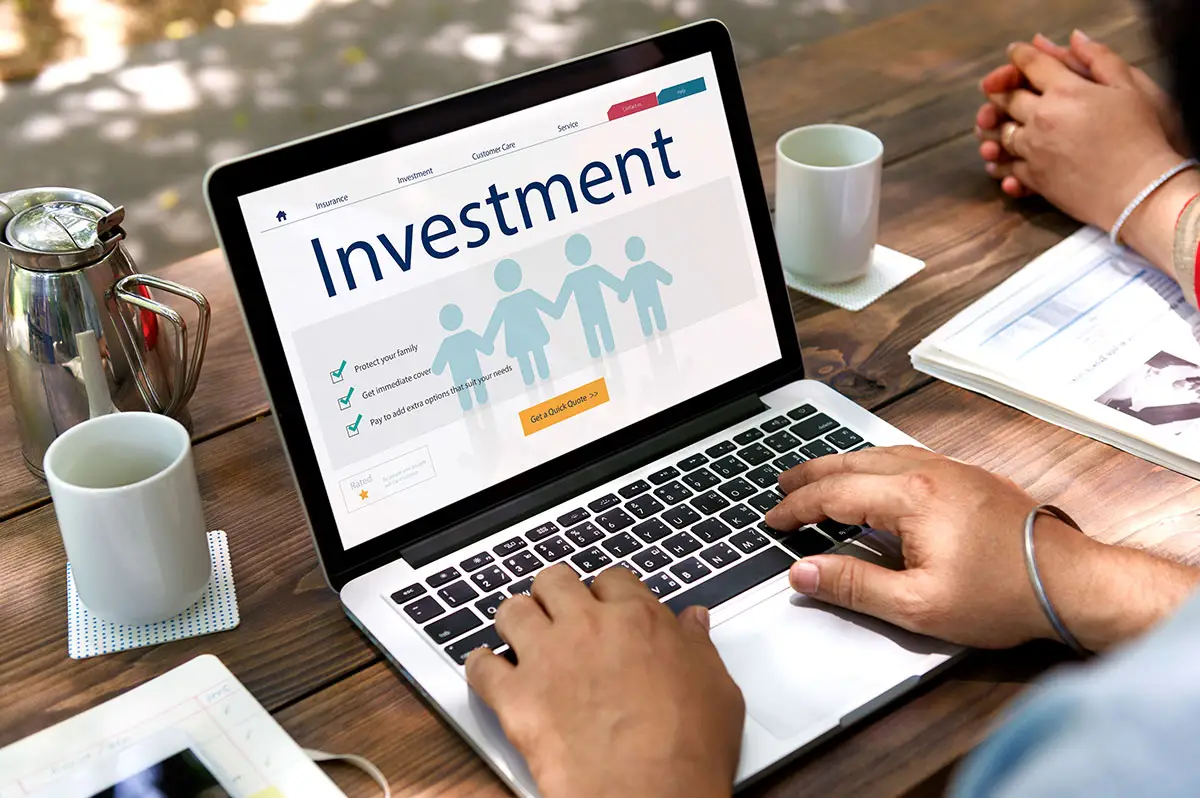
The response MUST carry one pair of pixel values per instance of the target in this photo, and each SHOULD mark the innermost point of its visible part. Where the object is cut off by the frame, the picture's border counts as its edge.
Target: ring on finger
(1008, 137)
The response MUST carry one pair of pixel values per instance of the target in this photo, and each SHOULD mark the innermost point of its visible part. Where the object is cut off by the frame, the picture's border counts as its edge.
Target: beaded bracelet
(1036, 580)
(1115, 234)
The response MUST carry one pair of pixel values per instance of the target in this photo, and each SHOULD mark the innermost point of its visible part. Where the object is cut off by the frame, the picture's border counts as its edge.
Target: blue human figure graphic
(642, 281)
(460, 352)
(584, 284)
(525, 334)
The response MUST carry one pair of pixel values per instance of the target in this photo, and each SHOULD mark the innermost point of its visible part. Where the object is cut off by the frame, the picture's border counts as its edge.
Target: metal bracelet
(1115, 234)
(1036, 580)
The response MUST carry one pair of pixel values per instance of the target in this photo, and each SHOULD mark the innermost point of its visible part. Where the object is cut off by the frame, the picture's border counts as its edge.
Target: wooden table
(911, 79)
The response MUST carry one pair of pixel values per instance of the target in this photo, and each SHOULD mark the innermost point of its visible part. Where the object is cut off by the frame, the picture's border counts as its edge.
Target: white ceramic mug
(827, 185)
(128, 506)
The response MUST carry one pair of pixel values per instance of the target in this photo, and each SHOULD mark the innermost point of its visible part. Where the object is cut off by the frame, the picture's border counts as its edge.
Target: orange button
(563, 406)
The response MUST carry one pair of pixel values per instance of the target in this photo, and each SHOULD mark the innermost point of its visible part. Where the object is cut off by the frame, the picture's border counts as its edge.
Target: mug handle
(189, 371)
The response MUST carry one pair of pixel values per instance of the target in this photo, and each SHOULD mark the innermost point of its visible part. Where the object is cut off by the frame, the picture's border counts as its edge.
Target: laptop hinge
(551, 493)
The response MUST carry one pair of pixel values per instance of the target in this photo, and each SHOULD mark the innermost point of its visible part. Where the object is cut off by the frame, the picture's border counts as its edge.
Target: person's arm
(493, 328)
(965, 578)
(1165, 230)
(439, 361)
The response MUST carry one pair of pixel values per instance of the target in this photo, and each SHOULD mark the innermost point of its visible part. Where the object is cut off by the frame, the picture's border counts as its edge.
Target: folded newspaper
(1089, 337)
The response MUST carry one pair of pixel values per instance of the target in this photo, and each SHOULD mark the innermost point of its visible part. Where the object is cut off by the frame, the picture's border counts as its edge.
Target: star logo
(363, 495)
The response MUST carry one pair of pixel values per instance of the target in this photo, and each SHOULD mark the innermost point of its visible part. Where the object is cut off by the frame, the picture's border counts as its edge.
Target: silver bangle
(1114, 235)
(1036, 580)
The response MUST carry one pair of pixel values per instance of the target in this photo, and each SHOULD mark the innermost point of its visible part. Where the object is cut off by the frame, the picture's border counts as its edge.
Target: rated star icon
(363, 495)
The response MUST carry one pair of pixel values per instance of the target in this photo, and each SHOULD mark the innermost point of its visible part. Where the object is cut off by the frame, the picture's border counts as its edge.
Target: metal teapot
(82, 335)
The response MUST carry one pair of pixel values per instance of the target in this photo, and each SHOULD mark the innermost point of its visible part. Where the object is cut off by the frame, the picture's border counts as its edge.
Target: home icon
(281, 217)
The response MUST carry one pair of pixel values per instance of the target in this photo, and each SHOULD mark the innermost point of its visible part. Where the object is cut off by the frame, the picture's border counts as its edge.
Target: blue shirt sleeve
(1125, 725)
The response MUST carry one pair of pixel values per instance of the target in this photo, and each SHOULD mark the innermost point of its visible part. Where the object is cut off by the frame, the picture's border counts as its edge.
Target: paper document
(1088, 336)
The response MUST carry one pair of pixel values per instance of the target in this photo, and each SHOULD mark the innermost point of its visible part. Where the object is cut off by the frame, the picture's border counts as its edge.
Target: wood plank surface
(229, 391)
(293, 638)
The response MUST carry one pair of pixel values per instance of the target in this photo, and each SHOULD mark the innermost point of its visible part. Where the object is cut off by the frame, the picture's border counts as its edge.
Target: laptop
(544, 321)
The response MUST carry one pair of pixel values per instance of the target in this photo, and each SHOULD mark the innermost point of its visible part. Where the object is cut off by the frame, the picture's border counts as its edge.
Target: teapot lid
(63, 234)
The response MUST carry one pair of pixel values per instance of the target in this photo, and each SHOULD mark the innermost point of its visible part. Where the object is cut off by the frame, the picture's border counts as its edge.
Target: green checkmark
(339, 371)
(354, 427)
(346, 399)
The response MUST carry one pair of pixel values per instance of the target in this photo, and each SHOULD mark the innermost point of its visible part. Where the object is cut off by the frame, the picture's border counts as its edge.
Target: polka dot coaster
(888, 270)
(216, 611)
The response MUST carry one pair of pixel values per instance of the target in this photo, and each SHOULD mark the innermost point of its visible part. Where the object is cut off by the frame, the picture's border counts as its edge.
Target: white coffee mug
(827, 186)
(128, 507)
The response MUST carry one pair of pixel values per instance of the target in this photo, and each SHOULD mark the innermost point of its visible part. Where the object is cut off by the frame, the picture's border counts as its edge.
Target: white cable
(362, 763)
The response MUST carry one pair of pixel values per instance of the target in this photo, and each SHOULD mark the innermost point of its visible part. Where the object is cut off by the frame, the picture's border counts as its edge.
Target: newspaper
(1090, 337)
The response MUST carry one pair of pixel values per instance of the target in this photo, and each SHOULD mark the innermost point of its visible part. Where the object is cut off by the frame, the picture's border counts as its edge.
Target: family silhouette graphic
(520, 315)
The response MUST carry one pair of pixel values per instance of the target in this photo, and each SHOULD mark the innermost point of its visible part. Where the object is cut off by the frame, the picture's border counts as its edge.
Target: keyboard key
(764, 476)
(771, 531)
(814, 426)
(681, 516)
(475, 563)
(584, 535)
(749, 436)
(614, 520)
(817, 449)
(693, 462)
(764, 501)
(719, 555)
(524, 586)
(681, 545)
(484, 638)
(490, 578)
(838, 531)
(775, 424)
(844, 438)
(789, 460)
(572, 518)
(661, 585)
(628, 567)
(423, 610)
(509, 546)
(722, 448)
(782, 441)
(460, 592)
(690, 570)
(728, 467)
(711, 529)
(554, 549)
(488, 606)
(738, 489)
(756, 454)
(737, 516)
(591, 560)
(701, 480)
(603, 503)
(522, 563)
(634, 488)
(672, 493)
(652, 530)
(644, 506)
(622, 544)
(865, 446)
(542, 531)
(453, 626)
(806, 541)
(651, 559)
(408, 593)
(710, 502)
(442, 577)
(665, 475)
(804, 411)
(737, 580)
(748, 541)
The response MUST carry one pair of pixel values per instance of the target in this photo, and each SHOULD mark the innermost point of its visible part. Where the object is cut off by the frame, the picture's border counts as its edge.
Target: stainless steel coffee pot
(82, 333)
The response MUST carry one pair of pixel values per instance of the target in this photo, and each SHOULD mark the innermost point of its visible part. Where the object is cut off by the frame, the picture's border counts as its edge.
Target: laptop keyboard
(693, 532)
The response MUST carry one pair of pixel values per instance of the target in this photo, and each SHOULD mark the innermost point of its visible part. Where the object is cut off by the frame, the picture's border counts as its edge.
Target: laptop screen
(458, 311)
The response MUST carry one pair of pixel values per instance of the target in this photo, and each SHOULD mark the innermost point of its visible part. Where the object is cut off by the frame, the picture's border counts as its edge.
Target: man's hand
(961, 529)
(613, 695)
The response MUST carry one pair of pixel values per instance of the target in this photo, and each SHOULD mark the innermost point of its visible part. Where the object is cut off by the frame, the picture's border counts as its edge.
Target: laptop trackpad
(803, 665)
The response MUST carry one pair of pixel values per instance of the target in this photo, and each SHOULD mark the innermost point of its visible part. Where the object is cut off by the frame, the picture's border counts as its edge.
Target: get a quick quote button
(563, 406)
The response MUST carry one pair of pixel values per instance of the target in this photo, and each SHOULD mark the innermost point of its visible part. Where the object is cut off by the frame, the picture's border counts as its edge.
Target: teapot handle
(189, 372)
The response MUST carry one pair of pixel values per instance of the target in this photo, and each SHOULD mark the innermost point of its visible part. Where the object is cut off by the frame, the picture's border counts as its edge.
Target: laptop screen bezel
(227, 182)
